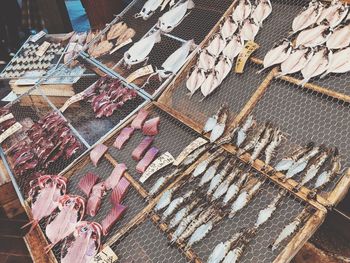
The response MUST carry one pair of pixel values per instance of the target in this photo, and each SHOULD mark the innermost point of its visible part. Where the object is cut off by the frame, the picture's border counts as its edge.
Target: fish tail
(324, 74)
(303, 82)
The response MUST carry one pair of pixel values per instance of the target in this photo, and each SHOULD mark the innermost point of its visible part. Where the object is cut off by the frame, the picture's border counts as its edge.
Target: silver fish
(279, 53)
(210, 173)
(140, 50)
(296, 61)
(244, 198)
(249, 30)
(162, 161)
(308, 16)
(197, 143)
(242, 132)
(195, 80)
(223, 67)
(317, 64)
(216, 45)
(253, 140)
(314, 36)
(340, 37)
(289, 229)
(210, 84)
(223, 187)
(217, 179)
(262, 10)
(286, 163)
(234, 46)
(241, 10)
(175, 204)
(220, 126)
(301, 164)
(228, 28)
(325, 177)
(261, 144)
(212, 121)
(339, 62)
(334, 13)
(234, 189)
(171, 19)
(235, 254)
(148, 9)
(205, 61)
(202, 166)
(165, 199)
(182, 213)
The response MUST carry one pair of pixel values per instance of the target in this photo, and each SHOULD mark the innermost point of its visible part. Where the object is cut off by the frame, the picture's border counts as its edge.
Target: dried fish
(148, 9)
(242, 132)
(162, 161)
(228, 28)
(211, 171)
(242, 10)
(253, 140)
(224, 186)
(212, 121)
(195, 80)
(202, 166)
(189, 149)
(314, 36)
(234, 46)
(217, 179)
(140, 50)
(271, 148)
(339, 62)
(262, 10)
(340, 37)
(317, 64)
(279, 53)
(223, 67)
(175, 204)
(334, 13)
(262, 143)
(296, 61)
(168, 21)
(101, 48)
(165, 199)
(220, 126)
(308, 16)
(249, 30)
(116, 30)
(126, 35)
(210, 83)
(216, 45)
(244, 198)
(206, 61)
(166, 2)
(234, 189)
(183, 213)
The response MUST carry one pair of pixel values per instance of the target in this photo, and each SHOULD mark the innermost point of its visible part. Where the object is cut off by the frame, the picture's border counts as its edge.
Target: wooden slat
(13, 208)
(340, 190)
(7, 194)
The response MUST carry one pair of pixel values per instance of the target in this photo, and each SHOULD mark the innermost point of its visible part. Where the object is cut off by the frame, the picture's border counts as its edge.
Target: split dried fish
(171, 19)
(317, 65)
(148, 9)
(224, 186)
(340, 37)
(334, 13)
(228, 28)
(166, 2)
(202, 166)
(140, 50)
(101, 48)
(339, 62)
(165, 199)
(234, 46)
(220, 126)
(234, 189)
(314, 36)
(223, 67)
(216, 45)
(249, 30)
(279, 53)
(271, 148)
(210, 83)
(184, 212)
(213, 120)
(125, 36)
(262, 10)
(296, 61)
(217, 179)
(195, 80)
(261, 144)
(308, 16)
(241, 10)
(175, 204)
(211, 171)
(242, 132)
(116, 30)
(253, 140)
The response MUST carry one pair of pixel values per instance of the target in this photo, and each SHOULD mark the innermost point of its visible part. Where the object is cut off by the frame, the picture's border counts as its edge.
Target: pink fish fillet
(97, 153)
(142, 148)
(87, 182)
(150, 127)
(123, 137)
(140, 118)
(119, 191)
(115, 176)
(147, 160)
(94, 201)
(112, 218)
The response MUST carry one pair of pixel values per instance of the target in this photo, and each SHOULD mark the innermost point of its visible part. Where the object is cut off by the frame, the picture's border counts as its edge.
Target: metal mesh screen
(173, 137)
(305, 116)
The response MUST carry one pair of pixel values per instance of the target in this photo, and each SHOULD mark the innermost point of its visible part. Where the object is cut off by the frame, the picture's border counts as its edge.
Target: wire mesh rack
(173, 137)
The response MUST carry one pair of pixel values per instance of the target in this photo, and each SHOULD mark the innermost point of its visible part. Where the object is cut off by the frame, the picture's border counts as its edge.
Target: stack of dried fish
(29, 60)
(108, 95)
(216, 60)
(312, 163)
(47, 141)
(319, 44)
(118, 35)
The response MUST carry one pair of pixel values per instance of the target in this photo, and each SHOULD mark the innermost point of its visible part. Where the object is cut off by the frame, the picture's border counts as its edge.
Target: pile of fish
(316, 166)
(117, 36)
(319, 44)
(109, 94)
(46, 141)
(216, 60)
(144, 154)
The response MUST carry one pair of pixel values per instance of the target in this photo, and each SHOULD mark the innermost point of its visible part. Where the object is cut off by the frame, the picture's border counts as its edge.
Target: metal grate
(146, 243)
(305, 116)
(180, 135)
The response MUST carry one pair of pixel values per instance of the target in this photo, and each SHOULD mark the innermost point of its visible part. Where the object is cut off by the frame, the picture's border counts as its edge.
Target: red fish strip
(117, 173)
(87, 182)
(123, 137)
(139, 120)
(142, 148)
(150, 127)
(112, 218)
(119, 191)
(94, 201)
(97, 153)
(147, 160)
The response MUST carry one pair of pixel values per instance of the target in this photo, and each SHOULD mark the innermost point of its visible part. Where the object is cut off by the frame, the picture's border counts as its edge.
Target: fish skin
(262, 11)
(334, 13)
(296, 61)
(206, 61)
(308, 16)
(339, 62)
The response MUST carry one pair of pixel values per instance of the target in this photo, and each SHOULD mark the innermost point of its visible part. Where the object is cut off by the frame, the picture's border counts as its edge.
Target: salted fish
(220, 126)
(184, 212)
(202, 166)
(166, 2)
(308, 16)
(218, 178)
(340, 37)
(249, 30)
(223, 67)
(228, 28)
(216, 45)
(168, 21)
(271, 148)
(296, 61)
(317, 64)
(140, 50)
(325, 177)
(234, 189)
(279, 53)
(210, 84)
(205, 61)
(195, 80)
(314, 36)
(339, 62)
(242, 10)
(189, 149)
(210, 172)
(175, 204)
(242, 132)
(334, 13)
(234, 46)
(224, 186)
(262, 10)
(162, 161)
(148, 9)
